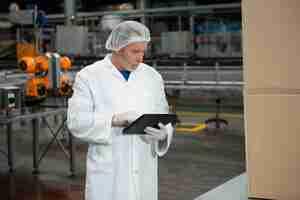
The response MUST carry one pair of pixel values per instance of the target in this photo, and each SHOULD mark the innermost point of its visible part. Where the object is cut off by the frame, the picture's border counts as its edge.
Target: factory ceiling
(57, 6)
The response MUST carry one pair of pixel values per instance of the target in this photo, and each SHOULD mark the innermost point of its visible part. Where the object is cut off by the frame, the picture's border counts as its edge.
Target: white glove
(154, 134)
(161, 138)
(124, 119)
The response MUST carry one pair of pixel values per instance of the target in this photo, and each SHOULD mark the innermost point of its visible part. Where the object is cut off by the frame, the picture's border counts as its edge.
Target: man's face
(133, 54)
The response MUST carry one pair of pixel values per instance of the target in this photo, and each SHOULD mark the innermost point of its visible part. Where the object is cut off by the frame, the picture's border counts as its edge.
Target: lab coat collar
(112, 67)
(115, 70)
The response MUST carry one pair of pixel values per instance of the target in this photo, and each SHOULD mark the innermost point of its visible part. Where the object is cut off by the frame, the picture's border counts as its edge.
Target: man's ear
(122, 50)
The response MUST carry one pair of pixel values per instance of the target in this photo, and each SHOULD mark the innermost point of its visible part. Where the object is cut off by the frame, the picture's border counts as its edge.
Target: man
(108, 95)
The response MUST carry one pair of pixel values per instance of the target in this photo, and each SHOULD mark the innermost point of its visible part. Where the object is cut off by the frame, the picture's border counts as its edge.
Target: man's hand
(154, 134)
(124, 119)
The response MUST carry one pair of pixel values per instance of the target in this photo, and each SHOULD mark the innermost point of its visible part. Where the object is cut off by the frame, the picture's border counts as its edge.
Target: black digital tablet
(138, 126)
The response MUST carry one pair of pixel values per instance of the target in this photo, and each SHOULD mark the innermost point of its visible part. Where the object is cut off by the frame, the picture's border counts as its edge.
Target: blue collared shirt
(125, 74)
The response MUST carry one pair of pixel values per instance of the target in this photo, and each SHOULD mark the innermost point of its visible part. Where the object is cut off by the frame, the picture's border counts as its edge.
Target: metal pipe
(69, 12)
(194, 9)
(179, 23)
(199, 68)
(187, 83)
(213, 88)
(192, 30)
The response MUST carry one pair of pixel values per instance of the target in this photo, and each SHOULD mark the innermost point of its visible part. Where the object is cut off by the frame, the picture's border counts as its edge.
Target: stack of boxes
(272, 98)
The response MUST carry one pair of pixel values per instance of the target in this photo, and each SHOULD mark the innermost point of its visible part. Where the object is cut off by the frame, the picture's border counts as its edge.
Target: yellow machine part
(25, 49)
(37, 87)
(65, 63)
(191, 128)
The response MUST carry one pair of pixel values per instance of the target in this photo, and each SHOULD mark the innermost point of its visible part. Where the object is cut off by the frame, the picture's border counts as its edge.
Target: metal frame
(36, 118)
(141, 12)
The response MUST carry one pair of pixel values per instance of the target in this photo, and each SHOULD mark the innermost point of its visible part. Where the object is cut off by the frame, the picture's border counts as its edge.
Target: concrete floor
(195, 163)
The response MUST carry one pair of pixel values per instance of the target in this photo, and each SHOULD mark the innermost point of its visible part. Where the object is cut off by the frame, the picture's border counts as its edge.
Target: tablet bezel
(151, 120)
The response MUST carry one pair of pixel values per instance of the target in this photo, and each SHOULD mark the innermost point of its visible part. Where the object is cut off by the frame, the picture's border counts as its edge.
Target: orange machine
(37, 83)
(46, 75)
(25, 49)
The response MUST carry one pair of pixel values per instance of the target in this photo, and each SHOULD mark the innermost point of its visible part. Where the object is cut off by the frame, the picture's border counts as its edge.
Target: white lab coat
(119, 167)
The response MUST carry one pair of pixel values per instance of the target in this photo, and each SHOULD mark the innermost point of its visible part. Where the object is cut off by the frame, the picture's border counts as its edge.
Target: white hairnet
(125, 33)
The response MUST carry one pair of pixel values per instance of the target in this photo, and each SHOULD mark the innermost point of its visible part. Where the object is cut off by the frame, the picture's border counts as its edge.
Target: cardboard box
(271, 43)
(272, 146)
(272, 96)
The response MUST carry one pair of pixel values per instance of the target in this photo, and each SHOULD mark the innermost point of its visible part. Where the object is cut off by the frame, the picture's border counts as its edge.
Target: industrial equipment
(10, 100)
(46, 75)
(60, 82)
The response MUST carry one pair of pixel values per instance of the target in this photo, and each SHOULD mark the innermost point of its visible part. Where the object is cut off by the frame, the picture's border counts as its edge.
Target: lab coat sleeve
(82, 120)
(161, 103)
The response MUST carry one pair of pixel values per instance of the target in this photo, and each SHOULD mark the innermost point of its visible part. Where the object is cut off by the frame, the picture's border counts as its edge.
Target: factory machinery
(201, 74)
(23, 93)
(45, 75)
(37, 74)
